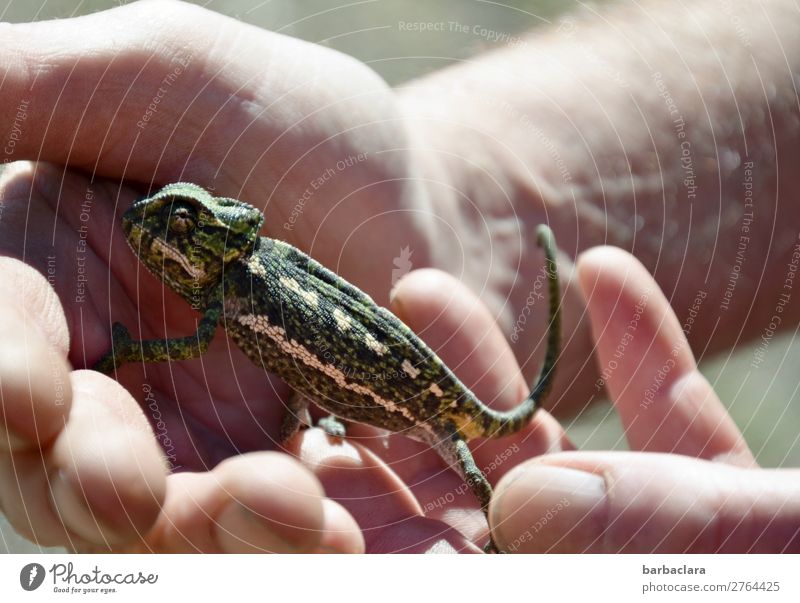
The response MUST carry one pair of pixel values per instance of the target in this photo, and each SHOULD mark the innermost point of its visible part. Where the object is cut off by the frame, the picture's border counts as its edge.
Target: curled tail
(498, 424)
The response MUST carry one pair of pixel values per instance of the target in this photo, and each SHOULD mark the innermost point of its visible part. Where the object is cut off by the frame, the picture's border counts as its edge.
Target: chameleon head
(186, 236)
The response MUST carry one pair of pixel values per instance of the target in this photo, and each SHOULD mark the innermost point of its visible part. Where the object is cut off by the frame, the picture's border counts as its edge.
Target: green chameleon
(327, 339)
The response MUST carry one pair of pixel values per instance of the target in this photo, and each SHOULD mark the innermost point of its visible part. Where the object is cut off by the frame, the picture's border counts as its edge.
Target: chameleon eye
(182, 219)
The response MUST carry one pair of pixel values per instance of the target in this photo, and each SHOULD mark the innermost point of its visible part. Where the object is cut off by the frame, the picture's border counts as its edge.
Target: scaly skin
(323, 336)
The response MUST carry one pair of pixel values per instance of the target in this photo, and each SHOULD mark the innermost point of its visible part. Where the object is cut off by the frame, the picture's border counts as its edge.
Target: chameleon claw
(490, 547)
(120, 334)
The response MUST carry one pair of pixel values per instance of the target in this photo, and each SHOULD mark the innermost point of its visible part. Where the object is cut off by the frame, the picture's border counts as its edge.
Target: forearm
(646, 129)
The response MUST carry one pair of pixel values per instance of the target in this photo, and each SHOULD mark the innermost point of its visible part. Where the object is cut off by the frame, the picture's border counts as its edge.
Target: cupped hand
(309, 135)
(167, 459)
(170, 458)
(689, 483)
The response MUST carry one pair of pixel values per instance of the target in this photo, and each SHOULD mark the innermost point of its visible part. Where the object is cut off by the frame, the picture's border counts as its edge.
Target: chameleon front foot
(121, 349)
(295, 417)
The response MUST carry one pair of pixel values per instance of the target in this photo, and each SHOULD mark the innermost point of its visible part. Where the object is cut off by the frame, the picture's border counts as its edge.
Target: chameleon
(327, 339)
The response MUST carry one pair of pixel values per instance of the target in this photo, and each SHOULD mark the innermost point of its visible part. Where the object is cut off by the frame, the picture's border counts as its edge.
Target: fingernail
(541, 508)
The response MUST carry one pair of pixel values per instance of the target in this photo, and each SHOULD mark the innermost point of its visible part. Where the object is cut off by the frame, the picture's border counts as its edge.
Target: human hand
(689, 484)
(215, 118)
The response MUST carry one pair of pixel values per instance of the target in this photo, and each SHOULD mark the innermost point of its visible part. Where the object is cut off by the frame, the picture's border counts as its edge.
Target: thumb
(639, 502)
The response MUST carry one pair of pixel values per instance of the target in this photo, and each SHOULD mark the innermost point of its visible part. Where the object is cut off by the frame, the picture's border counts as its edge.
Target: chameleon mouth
(168, 252)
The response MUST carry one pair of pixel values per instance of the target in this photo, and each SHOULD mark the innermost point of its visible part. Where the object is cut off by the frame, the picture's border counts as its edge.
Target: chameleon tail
(499, 424)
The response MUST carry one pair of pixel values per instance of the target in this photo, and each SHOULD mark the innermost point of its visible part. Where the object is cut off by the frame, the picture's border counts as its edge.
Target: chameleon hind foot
(297, 416)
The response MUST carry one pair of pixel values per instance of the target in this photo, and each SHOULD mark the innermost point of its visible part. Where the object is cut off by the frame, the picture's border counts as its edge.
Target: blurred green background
(763, 402)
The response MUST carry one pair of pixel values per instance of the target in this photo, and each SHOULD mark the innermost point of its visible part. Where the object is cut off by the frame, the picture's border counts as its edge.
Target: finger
(442, 495)
(389, 516)
(100, 483)
(256, 502)
(29, 291)
(663, 401)
(645, 503)
(460, 329)
(34, 385)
